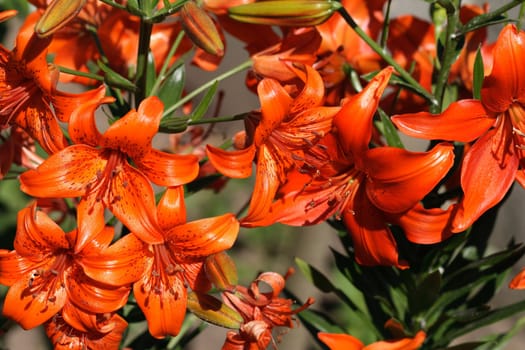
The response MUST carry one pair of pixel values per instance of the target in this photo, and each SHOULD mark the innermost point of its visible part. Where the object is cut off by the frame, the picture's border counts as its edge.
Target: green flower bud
(294, 13)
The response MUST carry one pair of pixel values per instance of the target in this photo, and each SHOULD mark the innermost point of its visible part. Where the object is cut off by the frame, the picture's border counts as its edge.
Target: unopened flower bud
(57, 15)
(201, 29)
(294, 13)
(221, 271)
(213, 310)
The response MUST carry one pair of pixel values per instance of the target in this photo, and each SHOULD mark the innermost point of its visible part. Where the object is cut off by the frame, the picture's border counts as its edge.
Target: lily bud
(201, 29)
(213, 310)
(293, 13)
(57, 15)
(221, 271)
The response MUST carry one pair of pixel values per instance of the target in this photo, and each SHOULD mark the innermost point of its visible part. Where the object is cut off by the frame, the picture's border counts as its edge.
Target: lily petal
(171, 210)
(518, 282)
(200, 238)
(123, 263)
(394, 188)
(463, 121)
(13, 266)
(133, 204)
(166, 169)
(354, 120)
(82, 126)
(64, 174)
(132, 134)
(164, 310)
(489, 169)
(37, 235)
(425, 226)
(275, 104)
(235, 164)
(505, 83)
(31, 309)
(340, 341)
(373, 242)
(312, 94)
(94, 296)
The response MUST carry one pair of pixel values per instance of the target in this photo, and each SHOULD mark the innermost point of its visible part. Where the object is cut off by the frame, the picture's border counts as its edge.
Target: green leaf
(425, 293)
(114, 79)
(150, 73)
(479, 73)
(315, 276)
(499, 341)
(490, 318)
(471, 271)
(388, 130)
(204, 104)
(172, 87)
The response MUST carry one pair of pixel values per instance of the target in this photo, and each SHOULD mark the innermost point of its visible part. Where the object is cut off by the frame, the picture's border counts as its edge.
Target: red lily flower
(44, 272)
(173, 264)
(365, 187)
(261, 311)
(103, 176)
(287, 126)
(28, 94)
(348, 342)
(497, 122)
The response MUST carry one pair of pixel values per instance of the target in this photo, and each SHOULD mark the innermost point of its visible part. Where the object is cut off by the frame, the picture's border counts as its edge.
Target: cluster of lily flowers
(317, 150)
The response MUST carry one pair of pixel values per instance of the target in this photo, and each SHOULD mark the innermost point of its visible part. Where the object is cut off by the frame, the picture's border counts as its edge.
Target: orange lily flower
(365, 187)
(339, 37)
(298, 46)
(173, 264)
(96, 168)
(493, 162)
(347, 342)
(107, 336)
(28, 94)
(261, 311)
(44, 272)
(287, 126)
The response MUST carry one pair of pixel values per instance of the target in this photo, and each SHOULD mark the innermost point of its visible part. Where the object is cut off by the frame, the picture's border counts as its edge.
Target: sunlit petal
(166, 169)
(395, 188)
(200, 238)
(235, 164)
(463, 121)
(489, 169)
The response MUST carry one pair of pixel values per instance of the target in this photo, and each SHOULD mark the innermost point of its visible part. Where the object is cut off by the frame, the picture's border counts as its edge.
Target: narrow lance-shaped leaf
(173, 85)
(204, 104)
(478, 75)
(389, 131)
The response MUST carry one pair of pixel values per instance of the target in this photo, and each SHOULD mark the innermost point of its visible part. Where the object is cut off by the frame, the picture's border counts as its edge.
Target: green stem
(142, 60)
(204, 87)
(386, 23)
(229, 118)
(448, 58)
(482, 20)
(379, 50)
